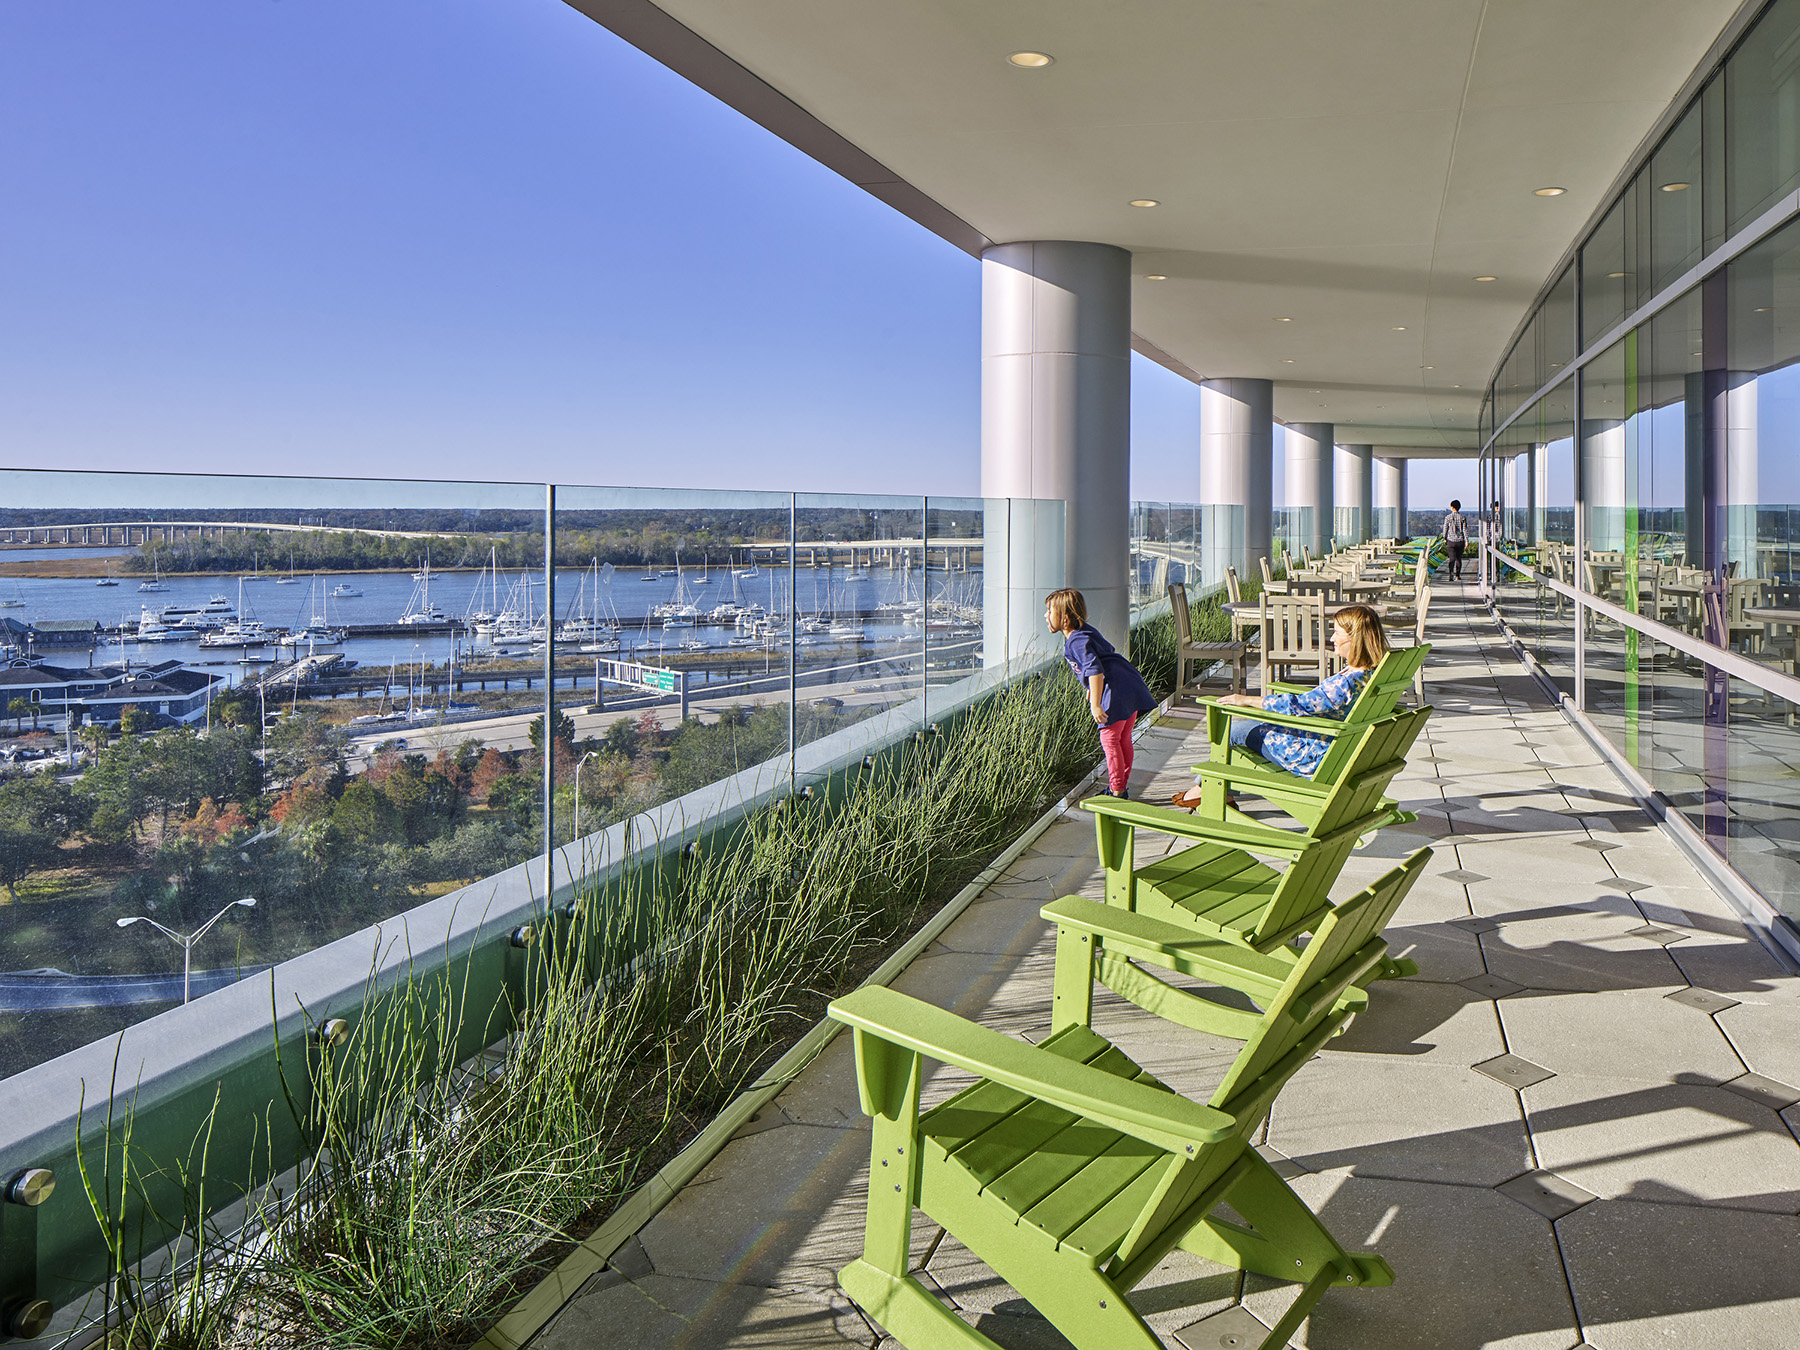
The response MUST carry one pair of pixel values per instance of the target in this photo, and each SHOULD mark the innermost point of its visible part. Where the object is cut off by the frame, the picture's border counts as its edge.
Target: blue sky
(463, 239)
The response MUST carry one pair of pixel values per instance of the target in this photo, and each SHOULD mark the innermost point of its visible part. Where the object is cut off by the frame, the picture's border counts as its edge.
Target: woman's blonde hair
(1368, 643)
(1067, 608)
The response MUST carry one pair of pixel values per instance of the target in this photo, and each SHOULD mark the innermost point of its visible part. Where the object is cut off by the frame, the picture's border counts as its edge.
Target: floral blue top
(1299, 752)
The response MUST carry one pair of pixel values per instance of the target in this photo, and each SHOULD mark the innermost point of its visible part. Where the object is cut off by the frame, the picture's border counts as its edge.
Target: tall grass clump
(435, 1192)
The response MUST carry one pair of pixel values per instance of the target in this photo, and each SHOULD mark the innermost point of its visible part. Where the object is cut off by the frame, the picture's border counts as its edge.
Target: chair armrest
(1228, 963)
(1325, 726)
(1250, 838)
(1245, 775)
(1155, 1115)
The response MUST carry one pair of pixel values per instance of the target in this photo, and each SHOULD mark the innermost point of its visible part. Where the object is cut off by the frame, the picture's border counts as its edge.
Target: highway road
(47, 990)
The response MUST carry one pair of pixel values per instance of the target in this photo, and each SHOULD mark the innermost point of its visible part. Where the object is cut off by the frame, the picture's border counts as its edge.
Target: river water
(628, 595)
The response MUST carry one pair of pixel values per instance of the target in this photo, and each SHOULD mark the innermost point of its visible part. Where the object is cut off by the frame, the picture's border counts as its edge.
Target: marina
(359, 634)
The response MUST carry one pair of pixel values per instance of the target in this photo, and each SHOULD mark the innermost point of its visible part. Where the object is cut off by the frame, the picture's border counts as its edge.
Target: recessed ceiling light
(1284, 321)
(1615, 275)
(1675, 187)
(1287, 360)
(1548, 192)
(1487, 278)
(1318, 391)
(1031, 60)
(1400, 330)
(1764, 310)
(1154, 276)
(1143, 201)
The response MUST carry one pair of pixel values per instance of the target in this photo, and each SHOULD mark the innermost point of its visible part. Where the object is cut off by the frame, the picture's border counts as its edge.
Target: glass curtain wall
(1686, 458)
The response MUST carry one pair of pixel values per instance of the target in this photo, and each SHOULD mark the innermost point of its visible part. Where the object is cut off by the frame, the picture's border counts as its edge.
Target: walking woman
(1116, 692)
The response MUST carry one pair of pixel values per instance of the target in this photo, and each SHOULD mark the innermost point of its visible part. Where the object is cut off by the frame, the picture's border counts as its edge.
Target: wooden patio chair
(1270, 585)
(1072, 1172)
(1187, 649)
(1314, 583)
(1246, 627)
(1296, 636)
(1216, 886)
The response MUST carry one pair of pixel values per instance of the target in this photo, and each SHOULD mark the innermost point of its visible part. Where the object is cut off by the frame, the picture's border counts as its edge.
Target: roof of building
(66, 625)
(172, 684)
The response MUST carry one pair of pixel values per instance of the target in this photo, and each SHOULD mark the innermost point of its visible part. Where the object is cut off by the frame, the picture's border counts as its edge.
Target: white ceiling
(1349, 165)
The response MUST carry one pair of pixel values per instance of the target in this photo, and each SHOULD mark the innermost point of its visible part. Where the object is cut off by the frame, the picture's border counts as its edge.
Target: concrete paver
(1627, 1200)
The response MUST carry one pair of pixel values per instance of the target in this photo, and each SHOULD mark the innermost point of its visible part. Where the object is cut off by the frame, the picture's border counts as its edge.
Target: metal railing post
(549, 743)
(793, 630)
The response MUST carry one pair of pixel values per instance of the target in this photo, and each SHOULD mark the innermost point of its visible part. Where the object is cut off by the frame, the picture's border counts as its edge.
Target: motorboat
(345, 591)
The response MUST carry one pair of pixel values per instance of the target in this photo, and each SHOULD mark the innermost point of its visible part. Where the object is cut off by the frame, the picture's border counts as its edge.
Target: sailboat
(255, 573)
(586, 627)
(241, 632)
(318, 633)
(109, 579)
(681, 611)
(155, 584)
(290, 579)
(14, 601)
(419, 607)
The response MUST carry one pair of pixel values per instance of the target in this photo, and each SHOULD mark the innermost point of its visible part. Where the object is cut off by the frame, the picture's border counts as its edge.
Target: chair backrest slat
(1178, 606)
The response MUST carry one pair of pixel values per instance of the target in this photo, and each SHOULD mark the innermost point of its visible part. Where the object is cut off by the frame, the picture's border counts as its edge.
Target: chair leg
(901, 1306)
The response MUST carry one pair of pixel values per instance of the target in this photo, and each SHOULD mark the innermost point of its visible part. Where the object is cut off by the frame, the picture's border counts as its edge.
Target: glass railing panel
(672, 608)
(865, 580)
(222, 688)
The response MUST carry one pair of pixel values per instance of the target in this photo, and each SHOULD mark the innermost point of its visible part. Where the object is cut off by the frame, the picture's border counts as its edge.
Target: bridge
(126, 533)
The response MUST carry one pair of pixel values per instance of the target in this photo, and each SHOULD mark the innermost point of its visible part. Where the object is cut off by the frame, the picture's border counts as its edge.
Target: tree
(37, 814)
(133, 719)
(363, 813)
(490, 769)
(564, 732)
(623, 738)
(300, 743)
(19, 709)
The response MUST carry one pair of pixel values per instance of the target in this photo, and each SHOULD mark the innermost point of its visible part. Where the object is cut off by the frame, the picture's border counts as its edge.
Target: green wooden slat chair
(1072, 1172)
(1393, 675)
(1218, 888)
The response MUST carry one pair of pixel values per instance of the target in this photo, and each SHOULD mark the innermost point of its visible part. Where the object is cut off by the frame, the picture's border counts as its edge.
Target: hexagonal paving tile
(1489, 1264)
(1654, 1275)
(1630, 1034)
(1690, 1143)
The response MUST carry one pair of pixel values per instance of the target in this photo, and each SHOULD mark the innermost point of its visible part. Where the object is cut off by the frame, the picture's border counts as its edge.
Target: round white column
(1056, 422)
(1389, 494)
(1353, 491)
(1311, 468)
(1603, 484)
(1237, 461)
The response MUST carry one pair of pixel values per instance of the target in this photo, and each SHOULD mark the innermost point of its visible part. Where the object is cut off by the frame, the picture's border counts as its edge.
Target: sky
(469, 239)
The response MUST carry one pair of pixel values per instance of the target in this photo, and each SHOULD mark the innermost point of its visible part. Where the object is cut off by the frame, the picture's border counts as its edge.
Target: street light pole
(187, 940)
(575, 828)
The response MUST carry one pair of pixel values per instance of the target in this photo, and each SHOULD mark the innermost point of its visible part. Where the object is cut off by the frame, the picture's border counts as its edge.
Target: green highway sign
(657, 678)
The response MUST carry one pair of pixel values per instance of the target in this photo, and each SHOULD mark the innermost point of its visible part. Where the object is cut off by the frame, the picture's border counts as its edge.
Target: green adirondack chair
(1072, 1172)
(1393, 675)
(1216, 887)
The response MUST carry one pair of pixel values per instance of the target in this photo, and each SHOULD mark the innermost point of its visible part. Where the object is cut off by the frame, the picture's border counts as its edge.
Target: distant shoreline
(77, 569)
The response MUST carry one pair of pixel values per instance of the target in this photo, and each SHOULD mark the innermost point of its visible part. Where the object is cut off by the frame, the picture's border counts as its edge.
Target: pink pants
(1115, 740)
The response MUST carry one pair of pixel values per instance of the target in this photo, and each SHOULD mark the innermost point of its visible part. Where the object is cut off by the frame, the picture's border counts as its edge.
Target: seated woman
(1360, 643)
